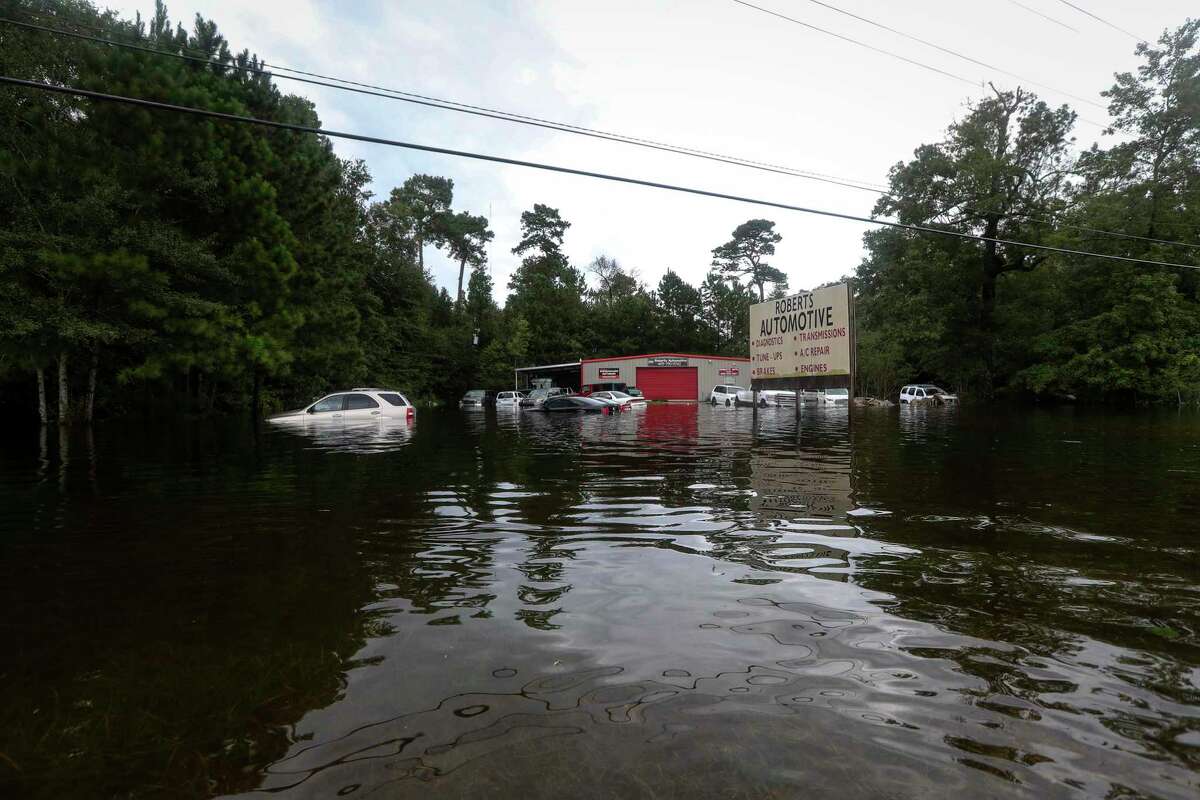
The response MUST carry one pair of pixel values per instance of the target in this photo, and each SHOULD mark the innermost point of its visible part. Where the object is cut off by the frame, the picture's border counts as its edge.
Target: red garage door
(668, 383)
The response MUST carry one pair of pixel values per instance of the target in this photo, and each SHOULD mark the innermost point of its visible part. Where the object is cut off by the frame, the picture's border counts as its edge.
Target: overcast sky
(706, 74)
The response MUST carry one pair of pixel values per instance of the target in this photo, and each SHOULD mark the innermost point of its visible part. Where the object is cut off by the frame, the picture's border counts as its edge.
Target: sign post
(804, 341)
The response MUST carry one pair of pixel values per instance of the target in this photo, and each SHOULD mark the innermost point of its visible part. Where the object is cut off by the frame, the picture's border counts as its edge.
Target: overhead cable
(827, 32)
(330, 82)
(288, 126)
(450, 105)
(923, 65)
(1103, 21)
(957, 54)
(1046, 17)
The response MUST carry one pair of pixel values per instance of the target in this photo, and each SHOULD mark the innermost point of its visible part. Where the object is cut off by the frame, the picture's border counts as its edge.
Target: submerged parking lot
(668, 602)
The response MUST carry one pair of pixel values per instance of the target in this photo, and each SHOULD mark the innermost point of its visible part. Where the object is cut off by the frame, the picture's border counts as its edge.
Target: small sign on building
(609, 373)
(728, 371)
(666, 361)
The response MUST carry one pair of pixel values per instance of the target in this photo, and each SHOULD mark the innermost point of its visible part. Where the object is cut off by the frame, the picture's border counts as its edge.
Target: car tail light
(410, 413)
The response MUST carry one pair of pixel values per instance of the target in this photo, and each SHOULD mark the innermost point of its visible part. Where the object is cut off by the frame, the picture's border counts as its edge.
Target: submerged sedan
(620, 398)
(356, 404)
(574, 403)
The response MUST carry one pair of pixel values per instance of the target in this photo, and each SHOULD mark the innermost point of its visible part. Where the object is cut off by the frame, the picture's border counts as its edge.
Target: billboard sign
(666, 361)
(803, 335)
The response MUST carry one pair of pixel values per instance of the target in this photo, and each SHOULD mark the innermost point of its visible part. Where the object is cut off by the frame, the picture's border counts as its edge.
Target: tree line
(154, 262)
(991, 319)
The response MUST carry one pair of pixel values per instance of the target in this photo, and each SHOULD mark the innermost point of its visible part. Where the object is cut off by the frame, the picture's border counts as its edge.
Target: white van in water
(836, 397)
(509, 399)
(356, 404)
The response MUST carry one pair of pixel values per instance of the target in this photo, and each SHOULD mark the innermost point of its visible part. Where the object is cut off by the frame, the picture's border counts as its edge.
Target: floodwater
(668, 603)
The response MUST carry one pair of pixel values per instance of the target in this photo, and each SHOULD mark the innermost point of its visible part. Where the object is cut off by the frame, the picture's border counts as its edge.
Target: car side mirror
(310, 411)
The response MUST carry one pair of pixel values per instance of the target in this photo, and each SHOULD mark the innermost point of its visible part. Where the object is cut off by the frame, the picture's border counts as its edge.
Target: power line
(895, 55)
(450, 105)
(1046, 17)
(955, 53)
(1102, 20)
(889, 53)
(317, 79)
(288, 126)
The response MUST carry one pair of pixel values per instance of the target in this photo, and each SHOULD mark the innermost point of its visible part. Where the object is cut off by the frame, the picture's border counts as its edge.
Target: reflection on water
(354, 436)
(669, 602)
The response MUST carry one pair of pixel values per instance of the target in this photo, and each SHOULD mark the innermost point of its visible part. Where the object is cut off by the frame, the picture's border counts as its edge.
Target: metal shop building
(660, 376)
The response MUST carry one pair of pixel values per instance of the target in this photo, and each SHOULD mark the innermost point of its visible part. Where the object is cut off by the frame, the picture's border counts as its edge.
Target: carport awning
(547, 367)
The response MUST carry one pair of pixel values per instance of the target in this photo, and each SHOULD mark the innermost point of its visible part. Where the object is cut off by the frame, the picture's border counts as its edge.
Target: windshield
(837, 392)
(538, 394)
(617, 395)
(474, 393)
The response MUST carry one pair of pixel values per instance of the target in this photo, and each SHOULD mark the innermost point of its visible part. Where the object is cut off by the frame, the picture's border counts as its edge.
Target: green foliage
(745, 254)
(620, 311)
(546, 290)
(726, 313)
(507, 351)
(466, 239)
(988, 318)
(679, 322)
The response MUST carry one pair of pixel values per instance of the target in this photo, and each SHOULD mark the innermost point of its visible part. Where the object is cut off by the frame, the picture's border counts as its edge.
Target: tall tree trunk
(993, 265)
(41, 383)
(1155, 187)
(64, 397)
(462, 266)
(90, 404)
(987, 293)
(256, 397)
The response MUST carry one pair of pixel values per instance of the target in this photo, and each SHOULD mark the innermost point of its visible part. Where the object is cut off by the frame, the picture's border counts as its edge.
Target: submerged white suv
(724, 395)
(355, 404)
(926, 393)
(767, 397)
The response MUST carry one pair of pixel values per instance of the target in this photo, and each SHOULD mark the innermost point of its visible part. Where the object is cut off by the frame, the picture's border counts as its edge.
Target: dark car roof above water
(572, 402)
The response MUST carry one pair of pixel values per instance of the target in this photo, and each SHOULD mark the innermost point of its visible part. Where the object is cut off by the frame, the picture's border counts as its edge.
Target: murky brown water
(982, 602)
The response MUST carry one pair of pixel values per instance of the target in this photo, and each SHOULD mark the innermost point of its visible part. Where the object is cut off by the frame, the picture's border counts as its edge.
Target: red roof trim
(655, 355)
